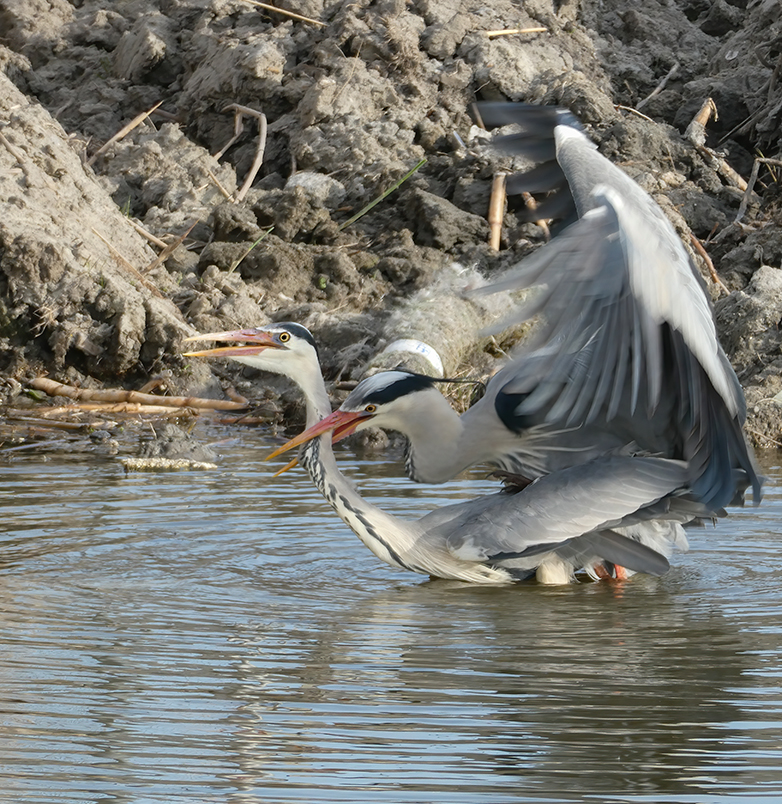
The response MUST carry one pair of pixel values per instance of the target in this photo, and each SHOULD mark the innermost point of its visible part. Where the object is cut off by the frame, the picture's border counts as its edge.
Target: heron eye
(370, 408)
(284, 337)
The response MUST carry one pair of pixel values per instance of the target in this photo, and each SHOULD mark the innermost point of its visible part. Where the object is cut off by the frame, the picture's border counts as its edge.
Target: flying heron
(612, 513)
(626, 357)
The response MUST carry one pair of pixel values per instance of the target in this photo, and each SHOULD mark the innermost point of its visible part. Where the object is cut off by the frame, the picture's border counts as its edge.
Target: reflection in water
(556, 692)
(222, 637)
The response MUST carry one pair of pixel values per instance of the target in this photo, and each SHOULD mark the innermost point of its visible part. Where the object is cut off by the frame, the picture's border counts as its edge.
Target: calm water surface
(222, 637)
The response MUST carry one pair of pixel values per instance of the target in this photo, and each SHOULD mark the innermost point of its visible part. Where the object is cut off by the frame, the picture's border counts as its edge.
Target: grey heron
(626, 356)
(613, 512)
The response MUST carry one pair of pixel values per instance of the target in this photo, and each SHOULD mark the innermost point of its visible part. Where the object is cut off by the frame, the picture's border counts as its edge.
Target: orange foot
(610, 572)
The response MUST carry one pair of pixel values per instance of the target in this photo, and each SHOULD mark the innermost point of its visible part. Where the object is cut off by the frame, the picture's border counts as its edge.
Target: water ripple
(222, 637)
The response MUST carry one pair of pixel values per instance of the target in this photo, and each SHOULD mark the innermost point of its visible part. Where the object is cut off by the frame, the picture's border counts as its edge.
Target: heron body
(562, 523)
(626, 357)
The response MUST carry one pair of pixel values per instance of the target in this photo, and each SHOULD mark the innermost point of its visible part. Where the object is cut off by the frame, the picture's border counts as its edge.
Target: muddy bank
(98, 286)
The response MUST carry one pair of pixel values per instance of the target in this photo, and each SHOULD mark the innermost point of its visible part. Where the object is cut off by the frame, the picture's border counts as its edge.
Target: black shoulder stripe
(407, 383)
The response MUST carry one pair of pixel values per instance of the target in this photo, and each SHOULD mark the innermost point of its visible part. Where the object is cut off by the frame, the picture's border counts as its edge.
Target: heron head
(275, 347)
(384, 400)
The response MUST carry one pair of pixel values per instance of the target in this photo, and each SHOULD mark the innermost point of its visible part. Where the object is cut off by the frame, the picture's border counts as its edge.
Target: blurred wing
(608, 285)
(560, 507)
(626, 322)
(588, 326)
(644, 245)
(534, 140)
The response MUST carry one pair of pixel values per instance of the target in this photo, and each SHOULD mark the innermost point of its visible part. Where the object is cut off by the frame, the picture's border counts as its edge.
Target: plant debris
(126, 228)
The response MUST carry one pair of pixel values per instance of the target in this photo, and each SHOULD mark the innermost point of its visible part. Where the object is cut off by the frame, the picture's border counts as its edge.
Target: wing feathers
(626, 326)
(562, 506)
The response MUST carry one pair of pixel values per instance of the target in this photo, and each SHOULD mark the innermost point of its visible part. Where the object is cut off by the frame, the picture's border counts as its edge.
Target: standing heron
(626, 357)
(612, 512)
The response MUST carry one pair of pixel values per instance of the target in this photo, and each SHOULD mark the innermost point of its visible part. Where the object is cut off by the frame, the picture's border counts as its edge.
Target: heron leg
(610, 572)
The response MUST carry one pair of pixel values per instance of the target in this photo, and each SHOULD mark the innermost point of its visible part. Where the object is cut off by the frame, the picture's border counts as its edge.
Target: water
(222, 637)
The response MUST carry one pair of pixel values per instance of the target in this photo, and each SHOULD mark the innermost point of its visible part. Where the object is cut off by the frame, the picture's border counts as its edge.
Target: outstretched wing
(627, 329)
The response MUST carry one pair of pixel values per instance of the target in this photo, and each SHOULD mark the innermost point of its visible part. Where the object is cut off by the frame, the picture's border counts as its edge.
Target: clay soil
(111, 254)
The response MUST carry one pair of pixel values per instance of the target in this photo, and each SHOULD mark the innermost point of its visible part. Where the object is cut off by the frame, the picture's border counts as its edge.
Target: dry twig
(698, 246)
(239, 112)
(168, 250)
(243, 420)
(235, 396)
(153, 385)
(696, 130)
(633, 111)
(751, 183)
(218, 184)
(123, 132)
(723, 168)
(511, 31)
(148, 235)
(496, 210)
(62, 442)
(696, 134)
(238, 129)
(291, 14)
(660, 87)
(53, 388)
(121, 407)
(24, 417)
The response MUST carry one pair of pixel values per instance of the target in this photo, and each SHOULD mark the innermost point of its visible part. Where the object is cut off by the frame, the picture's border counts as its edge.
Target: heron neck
(434, 434)
(316, 397)
(400, 543)
(386, 536)
(434, 456)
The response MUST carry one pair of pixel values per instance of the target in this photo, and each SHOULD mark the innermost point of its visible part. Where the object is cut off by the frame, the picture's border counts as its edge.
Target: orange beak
(342, 423)
(253, 341)
(289, 465)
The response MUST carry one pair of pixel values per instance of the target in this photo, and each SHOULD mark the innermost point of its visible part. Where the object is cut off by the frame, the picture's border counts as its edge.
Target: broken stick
(496, 210)
(53, 388)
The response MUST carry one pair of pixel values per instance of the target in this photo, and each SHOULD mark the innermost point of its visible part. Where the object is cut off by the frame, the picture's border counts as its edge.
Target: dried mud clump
(113, 250)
